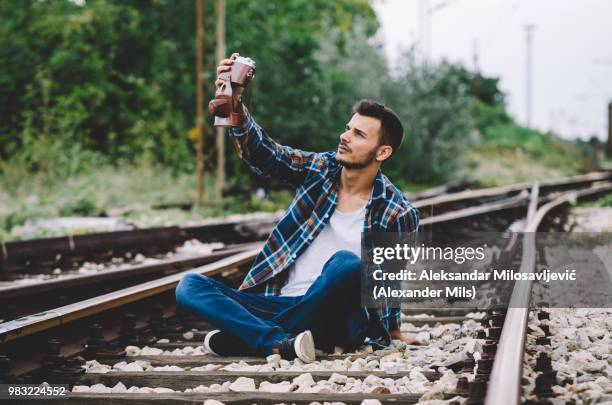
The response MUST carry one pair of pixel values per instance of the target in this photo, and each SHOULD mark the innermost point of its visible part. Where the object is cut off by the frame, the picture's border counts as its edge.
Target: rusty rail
(505, 381)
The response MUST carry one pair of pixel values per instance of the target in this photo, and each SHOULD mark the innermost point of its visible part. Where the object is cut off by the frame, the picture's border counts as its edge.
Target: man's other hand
(409, 340)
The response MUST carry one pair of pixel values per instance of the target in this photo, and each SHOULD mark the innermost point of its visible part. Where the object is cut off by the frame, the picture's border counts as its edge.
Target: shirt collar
(379, 190)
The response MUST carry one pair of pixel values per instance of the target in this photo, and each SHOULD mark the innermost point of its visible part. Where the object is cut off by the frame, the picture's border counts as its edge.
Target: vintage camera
(242, 73)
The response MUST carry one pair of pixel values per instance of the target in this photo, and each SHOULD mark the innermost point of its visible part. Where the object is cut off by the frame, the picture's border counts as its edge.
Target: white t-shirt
(343, 232)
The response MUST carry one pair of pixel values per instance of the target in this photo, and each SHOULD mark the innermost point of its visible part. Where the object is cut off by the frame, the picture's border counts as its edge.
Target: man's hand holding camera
(233, 75)
(225, 65)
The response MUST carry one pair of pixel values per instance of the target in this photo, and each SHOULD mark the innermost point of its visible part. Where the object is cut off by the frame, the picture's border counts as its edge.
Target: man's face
(359, 143)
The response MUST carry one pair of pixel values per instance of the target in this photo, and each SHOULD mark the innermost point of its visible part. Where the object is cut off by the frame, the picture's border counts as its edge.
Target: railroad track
(48, 254)
(19, 299)
(141, 327)
(71, 286)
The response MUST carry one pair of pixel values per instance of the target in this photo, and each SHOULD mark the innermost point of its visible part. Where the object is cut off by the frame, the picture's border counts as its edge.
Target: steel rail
(505, 381)
(166, 266)
(36, 323)
(105, 243)
(493, 191)
(519, 200)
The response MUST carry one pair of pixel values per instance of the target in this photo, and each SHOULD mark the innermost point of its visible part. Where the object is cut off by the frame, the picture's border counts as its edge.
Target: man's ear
(383, 153)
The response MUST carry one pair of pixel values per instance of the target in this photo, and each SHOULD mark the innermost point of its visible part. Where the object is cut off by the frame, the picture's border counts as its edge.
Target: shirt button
(309, 237)
(326, 215)
(293, 255)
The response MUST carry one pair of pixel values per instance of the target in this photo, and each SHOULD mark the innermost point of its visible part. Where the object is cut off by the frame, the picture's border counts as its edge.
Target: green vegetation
(97, 101)
(125, 192)
(508, 153)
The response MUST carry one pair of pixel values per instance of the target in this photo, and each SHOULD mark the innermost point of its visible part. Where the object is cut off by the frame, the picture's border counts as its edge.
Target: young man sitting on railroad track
(304, 287)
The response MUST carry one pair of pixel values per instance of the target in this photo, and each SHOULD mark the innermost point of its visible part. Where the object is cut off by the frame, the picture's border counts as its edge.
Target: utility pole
(428, 10)
(421, 16)
(220, 54)
(200, 98)
(528, 31)
(476, 73)
(609, 144)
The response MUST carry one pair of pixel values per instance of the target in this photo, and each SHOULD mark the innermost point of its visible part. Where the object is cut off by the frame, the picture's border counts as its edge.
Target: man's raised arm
(265, 156)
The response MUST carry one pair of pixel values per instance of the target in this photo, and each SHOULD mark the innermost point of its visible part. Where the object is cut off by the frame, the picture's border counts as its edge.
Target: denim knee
(184, 287)
(344, 265)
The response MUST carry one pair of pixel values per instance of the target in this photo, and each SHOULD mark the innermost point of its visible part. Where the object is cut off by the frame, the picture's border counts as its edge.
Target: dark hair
(392, 131)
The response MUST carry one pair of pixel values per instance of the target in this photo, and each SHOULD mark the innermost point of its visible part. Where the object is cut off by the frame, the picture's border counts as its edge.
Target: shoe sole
(207, 341)
(305, 347)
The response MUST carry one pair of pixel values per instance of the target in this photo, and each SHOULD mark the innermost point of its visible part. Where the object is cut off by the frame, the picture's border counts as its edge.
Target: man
(303, 290)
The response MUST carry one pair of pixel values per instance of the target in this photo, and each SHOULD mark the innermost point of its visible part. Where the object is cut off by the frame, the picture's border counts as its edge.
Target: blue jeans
(330, 309)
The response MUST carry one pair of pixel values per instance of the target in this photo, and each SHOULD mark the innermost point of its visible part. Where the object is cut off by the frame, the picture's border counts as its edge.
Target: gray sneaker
(301, 346)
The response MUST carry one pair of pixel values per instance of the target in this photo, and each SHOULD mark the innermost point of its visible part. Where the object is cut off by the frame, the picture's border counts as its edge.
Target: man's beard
(360, 164)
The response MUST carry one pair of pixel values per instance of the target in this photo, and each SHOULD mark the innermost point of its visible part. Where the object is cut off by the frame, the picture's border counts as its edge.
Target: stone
(372, 365)
(318, 389)
(188, 335)
(80, 388)
(423, 337)
(390, 367)
(433, 394)
(472, 346)
(358, 365)
(216, 388)
(119, 388)
(304, 380)
(132, 351)
(92, 366)
(274, 360)
(281, 387)
(168, 368)
(150, 351)
(372, 380)
(339, 379)
(377, 390)
(132, 367)
(243, 384)
(162, 390)
(100, 389)
(417, 375)
(371, 402)
(144, 363)
(213, 402)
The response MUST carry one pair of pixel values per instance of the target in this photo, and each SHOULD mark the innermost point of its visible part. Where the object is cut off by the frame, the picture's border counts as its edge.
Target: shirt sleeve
(408, 221)
(268, 158)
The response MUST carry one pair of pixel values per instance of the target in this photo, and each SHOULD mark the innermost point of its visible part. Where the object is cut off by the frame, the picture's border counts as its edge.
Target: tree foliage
(111, 81)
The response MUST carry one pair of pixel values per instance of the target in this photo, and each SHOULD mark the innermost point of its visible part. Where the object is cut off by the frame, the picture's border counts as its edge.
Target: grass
(126, 192)
(605, 201)
(509, 153)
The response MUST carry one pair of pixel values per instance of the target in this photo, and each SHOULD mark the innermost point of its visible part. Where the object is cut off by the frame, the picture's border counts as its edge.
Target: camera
(241, 74)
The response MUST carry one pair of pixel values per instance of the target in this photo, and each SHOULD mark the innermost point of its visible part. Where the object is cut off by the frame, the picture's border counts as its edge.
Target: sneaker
(301, 346)
(225, 344)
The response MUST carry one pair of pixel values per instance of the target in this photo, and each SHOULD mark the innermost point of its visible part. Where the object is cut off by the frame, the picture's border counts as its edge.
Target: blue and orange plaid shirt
(316, 176)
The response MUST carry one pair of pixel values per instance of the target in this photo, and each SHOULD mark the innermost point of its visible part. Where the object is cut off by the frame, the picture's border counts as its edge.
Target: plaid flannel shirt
(316, 177)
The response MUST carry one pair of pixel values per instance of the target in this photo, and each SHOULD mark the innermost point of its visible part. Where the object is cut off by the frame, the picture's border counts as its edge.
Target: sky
(571, 52)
